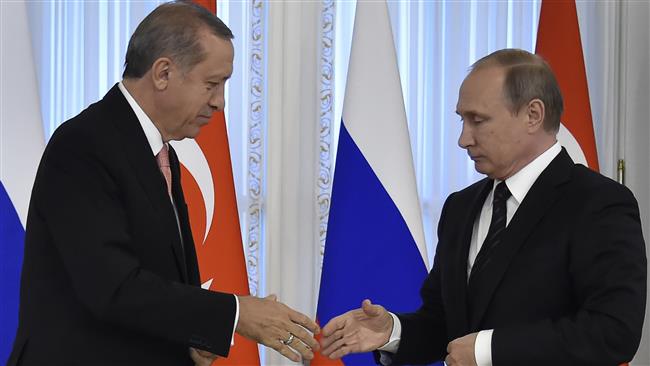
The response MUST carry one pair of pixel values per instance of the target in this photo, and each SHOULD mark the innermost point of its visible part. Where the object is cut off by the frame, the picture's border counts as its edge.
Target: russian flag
(375, 242)
(21, 146)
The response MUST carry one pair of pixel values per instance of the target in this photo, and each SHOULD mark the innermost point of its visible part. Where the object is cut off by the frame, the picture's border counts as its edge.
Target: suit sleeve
(608, 274)
(81, 204)
(424, 333)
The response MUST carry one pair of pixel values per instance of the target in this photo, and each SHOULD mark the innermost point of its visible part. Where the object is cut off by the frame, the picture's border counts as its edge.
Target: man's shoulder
(592, 181)
(591, 185)
(90, 126)
(472, 190)
(463, 199)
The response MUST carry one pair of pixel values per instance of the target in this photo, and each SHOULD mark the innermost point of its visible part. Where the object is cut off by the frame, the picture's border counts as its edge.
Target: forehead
(482, 88)
(219, 54)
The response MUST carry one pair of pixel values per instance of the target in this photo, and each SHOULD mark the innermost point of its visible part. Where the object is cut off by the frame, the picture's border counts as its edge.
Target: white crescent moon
(207, 284)
(571, 145)
(190, 154)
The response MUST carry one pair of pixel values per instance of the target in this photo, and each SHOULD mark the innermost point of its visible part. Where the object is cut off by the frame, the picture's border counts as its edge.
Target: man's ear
(535, 111)
(160, 71)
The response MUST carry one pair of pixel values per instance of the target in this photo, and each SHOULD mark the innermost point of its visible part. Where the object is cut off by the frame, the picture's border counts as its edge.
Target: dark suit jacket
(566, 285)
(106, 280)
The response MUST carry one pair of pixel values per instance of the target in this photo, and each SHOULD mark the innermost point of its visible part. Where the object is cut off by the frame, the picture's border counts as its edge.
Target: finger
(194, 355)
(276, 339)
(301, 334)
(302, 319)
(333, 325)
(205, 353)
(285, 351)
(198, 359)
(370, 309)
(344, 350)
(304, 350)
(333, 347)
(325, 342)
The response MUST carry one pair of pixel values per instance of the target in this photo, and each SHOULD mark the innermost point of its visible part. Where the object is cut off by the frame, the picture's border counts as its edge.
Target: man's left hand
(202, 358)
(460, 351)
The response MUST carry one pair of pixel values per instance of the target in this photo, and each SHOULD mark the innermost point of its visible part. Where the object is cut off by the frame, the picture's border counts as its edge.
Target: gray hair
(171, 30)
(528, 77)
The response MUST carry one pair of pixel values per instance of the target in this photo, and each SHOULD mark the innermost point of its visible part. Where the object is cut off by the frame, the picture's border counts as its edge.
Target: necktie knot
(501, 193)
(163, 157)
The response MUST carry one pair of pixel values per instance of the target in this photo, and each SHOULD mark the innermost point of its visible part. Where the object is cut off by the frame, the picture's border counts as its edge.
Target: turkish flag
(209, 188)
(558, 42)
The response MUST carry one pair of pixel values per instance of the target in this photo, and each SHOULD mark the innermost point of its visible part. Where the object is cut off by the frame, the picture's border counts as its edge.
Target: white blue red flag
(21, 146)
(375, 242)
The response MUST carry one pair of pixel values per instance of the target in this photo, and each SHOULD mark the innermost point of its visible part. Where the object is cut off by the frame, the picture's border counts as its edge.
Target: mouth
(203, 119)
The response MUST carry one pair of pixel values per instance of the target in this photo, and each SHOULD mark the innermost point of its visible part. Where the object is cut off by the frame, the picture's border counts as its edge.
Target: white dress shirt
(156, 143)
(519, 185)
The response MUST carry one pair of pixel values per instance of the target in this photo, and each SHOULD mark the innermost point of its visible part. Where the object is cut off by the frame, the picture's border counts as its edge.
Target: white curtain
(79, 49)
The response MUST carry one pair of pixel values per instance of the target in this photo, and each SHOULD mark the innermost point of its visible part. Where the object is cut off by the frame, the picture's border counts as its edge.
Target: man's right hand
(277, 326)
(359, 330)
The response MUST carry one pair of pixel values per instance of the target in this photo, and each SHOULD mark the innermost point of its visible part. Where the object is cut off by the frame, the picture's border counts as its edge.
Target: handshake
(291, 333)
(273, 324)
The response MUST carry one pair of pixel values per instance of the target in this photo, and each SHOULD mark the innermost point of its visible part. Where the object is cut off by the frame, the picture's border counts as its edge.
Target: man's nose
(465, 139)
(217, 100)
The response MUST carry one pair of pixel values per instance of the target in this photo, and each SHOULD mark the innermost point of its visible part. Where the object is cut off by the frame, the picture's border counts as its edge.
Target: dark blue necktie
(497, 226)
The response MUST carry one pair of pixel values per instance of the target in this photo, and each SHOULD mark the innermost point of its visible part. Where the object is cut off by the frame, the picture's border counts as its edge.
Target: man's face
(495, 139)
(193, 95)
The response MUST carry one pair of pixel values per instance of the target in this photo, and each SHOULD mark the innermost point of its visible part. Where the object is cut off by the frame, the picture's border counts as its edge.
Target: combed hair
(171, 30)
(528, 77)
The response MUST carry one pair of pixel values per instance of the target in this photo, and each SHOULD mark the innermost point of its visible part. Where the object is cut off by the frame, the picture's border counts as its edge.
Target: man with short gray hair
(110, 274)
(540, 263)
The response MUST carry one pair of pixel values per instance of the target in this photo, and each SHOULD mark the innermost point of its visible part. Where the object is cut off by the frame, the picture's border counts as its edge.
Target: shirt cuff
(483, 348)
(395, 336)
(232, 339)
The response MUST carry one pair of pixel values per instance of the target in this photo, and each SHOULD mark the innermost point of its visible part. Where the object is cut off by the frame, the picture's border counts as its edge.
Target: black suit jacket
(106, 279)
(566, 285)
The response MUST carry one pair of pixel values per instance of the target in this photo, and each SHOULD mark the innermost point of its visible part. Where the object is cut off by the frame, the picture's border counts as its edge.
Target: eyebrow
(218, 77)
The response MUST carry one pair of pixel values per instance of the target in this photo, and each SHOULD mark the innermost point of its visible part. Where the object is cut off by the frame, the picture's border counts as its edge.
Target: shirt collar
(520, 183)
(150, 131)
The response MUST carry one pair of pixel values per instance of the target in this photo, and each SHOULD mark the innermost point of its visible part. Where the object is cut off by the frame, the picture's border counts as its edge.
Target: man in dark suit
(110, 274)
(542, 262)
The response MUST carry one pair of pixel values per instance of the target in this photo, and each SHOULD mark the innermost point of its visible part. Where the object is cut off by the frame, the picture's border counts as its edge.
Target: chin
(193, 134)
(482, 170)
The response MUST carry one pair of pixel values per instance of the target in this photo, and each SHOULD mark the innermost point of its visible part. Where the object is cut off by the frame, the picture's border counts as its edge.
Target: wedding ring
(289, 340)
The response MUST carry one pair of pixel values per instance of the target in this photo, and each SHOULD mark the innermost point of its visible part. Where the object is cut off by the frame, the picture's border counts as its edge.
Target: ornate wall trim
(255, 154)
(324, 181)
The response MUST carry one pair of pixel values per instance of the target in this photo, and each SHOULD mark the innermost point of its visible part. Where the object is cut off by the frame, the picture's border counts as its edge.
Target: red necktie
(163, 163)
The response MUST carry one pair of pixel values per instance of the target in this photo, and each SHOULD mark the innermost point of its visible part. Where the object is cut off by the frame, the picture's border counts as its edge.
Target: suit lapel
(540, 198)
(138, 152)
(458, 271)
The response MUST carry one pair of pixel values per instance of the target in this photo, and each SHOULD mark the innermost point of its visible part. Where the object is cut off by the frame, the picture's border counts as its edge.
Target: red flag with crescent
(558, 42)
(207, 179)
